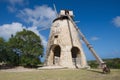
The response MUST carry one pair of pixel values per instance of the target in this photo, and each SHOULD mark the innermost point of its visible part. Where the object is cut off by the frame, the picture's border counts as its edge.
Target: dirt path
(18, 69)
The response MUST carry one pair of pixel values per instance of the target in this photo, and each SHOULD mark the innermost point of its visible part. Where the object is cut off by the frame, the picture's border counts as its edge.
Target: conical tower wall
(64, 46)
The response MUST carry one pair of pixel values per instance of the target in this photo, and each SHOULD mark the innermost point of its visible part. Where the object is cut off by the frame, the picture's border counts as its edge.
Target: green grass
(65, 74)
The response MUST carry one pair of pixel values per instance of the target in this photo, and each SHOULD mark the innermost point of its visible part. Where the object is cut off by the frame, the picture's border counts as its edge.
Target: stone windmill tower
(64, 46)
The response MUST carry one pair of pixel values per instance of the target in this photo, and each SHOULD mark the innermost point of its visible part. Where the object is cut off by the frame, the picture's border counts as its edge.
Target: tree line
(22, 49)
(111, 63)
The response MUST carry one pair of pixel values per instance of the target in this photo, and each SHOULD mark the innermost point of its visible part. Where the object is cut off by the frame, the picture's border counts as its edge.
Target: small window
(56, 36)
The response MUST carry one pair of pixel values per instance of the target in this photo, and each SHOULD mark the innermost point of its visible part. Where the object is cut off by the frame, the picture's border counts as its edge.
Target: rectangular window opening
(56, 36)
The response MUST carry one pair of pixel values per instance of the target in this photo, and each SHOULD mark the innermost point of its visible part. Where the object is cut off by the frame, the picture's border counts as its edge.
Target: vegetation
(60, 74)
(22, 49)
(112, 63)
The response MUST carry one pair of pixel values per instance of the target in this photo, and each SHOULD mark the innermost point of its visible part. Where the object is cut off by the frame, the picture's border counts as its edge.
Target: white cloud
(7, 29)
(14, 2)
(40, 16)
(12, 7)
(94, 38)
(44, 41)
(116, 21)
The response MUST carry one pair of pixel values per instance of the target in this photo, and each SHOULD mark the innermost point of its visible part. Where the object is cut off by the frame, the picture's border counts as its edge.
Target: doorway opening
(75, 52)
(57, 53)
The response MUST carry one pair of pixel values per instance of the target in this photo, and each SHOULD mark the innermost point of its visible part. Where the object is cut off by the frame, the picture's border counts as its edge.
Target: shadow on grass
(6, 67)
(3, 67)
(96, 71)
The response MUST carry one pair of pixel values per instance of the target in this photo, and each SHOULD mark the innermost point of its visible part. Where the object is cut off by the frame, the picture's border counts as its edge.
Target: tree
(111, 63)
(6, 54)
(28, 46)
(2, 49)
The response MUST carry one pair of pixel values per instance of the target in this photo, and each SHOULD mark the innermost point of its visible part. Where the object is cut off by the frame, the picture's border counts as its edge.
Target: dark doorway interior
(75, 52)
(56, 51)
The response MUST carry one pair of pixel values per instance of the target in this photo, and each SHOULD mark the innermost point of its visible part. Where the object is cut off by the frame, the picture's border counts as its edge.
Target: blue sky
(99, 21)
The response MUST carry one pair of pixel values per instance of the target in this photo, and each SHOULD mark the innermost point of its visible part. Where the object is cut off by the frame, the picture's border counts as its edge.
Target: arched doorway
(56, 57)
(75, 52)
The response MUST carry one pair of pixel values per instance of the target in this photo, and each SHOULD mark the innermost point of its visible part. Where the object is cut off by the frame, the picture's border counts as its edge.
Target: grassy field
(61, 74)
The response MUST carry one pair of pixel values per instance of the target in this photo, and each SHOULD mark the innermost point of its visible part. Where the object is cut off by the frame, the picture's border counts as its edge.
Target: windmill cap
(64, 12)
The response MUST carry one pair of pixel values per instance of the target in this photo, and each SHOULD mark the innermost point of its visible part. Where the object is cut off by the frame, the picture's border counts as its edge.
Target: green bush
(29, 61)
(112, 63)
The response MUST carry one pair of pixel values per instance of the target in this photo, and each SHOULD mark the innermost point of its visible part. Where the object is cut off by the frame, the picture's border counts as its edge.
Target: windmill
(64, 47)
